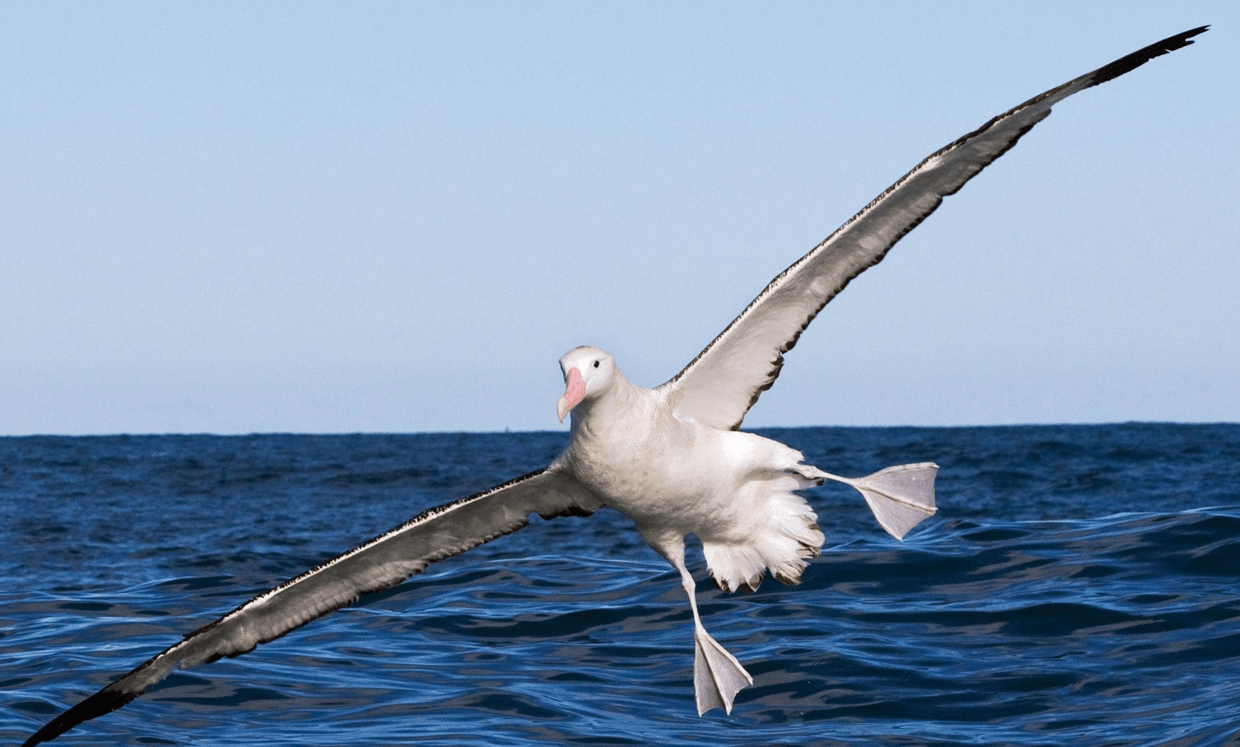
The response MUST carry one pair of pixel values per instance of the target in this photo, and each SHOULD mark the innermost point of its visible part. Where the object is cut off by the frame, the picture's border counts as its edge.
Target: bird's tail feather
(783, 540)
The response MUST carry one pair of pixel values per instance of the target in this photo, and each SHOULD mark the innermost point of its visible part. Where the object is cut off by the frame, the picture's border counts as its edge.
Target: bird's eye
(596, 364)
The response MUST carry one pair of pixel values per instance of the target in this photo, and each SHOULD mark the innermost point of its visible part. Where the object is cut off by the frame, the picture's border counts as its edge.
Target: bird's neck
(598, 415)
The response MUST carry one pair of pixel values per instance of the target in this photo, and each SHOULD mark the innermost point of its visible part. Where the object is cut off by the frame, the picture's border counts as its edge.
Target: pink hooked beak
(573, 393)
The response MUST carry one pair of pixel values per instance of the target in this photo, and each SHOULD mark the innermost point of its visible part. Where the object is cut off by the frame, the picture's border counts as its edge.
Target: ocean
(1080, 585)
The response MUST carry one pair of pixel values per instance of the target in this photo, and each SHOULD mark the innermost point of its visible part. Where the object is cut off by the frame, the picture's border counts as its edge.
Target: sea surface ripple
(1080, 585)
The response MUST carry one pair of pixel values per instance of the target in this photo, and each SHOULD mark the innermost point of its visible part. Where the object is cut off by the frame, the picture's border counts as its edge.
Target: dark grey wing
(720, 385)
(376, 565)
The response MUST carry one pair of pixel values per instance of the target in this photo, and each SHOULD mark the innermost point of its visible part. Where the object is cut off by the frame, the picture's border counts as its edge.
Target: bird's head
(587, 373)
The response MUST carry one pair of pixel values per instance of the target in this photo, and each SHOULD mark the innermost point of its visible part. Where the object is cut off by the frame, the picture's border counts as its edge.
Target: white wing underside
(383, 562)
(720, 385)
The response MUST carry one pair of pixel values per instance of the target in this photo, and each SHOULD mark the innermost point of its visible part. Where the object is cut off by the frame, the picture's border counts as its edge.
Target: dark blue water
(1080, 585)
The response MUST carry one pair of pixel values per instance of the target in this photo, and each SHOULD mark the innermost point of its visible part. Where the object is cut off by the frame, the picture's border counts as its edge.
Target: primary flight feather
(671, 458)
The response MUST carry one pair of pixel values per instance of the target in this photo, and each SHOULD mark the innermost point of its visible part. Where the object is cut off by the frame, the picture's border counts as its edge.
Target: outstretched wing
(376, 565)
(720, 385)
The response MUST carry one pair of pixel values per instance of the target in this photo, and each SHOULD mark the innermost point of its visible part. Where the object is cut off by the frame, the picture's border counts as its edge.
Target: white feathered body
(674, 477)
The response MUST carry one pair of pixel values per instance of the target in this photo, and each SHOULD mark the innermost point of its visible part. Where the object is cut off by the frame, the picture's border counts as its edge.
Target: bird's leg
(717, 675)
(901, 497)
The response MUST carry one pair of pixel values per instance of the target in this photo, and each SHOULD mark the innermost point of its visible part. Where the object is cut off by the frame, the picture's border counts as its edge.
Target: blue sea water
(1080, 585)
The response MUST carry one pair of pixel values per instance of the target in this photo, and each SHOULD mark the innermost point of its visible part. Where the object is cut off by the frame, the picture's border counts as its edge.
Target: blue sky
(327, 217)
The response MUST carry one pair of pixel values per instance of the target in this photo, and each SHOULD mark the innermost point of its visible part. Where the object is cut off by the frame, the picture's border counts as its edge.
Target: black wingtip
(104, 701)
(1131, 62)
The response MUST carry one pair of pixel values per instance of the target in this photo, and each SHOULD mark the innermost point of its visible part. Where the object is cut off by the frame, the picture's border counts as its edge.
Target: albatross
(672, 458)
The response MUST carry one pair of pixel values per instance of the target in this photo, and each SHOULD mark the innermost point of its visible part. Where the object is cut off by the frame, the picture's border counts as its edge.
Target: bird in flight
(671, 458)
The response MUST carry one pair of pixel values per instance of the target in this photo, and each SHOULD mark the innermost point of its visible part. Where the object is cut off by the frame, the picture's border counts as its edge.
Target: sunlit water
(1080, 585)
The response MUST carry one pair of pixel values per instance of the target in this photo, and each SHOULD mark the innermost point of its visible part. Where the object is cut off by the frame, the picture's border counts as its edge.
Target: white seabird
(671, 458)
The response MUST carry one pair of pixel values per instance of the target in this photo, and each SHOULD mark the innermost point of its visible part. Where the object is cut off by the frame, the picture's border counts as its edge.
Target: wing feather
(373, 566)
(719, 386)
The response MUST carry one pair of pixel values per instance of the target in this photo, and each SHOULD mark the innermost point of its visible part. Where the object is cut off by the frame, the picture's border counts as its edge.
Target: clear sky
(325, 217)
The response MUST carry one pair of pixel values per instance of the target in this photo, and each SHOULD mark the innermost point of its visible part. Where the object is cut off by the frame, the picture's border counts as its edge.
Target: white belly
(685, 478)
